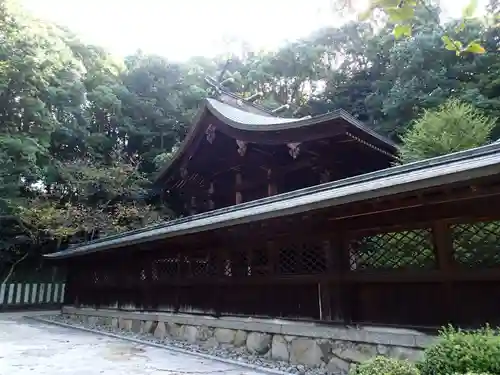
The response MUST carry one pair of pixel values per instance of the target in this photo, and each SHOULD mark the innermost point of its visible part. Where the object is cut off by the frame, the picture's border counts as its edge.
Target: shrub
(459, 352)
(454, 126)
(385, 366)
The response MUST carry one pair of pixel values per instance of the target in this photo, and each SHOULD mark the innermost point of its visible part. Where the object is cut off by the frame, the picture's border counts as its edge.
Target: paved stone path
(28, 347)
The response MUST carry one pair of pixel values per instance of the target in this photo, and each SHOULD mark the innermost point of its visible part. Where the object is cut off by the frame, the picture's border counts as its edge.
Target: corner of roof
(193, 130)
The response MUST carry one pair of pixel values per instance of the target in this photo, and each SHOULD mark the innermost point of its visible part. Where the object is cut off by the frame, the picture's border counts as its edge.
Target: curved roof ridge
(244, 121)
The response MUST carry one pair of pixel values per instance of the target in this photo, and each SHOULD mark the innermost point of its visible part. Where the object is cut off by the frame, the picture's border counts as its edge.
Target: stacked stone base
(336, 350)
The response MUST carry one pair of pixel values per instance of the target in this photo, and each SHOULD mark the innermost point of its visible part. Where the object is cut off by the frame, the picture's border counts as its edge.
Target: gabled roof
(273, 130)
(458, 167)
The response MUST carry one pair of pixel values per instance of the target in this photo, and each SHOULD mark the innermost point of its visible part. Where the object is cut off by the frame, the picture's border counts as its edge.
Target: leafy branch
(402, 14)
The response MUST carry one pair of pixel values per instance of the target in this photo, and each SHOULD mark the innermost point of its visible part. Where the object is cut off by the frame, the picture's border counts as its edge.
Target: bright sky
(179, 29)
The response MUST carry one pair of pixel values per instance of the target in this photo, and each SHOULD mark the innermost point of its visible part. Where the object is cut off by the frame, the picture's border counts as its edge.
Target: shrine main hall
(305, 219)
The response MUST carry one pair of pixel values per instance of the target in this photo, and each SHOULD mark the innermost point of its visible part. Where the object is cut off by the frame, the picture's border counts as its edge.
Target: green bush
(385, 366)
(453, 126)
(459, 352)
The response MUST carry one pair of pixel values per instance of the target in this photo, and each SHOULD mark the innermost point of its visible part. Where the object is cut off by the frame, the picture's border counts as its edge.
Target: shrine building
(305, 219)
(238, 152)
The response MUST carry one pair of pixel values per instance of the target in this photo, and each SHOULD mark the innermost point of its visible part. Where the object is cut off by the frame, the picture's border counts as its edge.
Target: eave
(450, 169)
(254, 128)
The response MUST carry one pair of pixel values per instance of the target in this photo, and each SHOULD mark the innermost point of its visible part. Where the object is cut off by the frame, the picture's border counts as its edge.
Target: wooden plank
(3, 294)
(62, 293)
(26, 294)
(11, 294)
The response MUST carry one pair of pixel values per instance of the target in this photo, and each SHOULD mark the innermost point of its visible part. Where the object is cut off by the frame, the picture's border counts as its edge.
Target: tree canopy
(83, 133)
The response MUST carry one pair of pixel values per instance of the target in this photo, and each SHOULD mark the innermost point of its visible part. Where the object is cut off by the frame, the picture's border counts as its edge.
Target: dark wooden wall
(390, 262)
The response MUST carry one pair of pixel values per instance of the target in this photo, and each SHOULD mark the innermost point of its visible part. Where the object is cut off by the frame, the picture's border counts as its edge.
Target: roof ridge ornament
(218, 86)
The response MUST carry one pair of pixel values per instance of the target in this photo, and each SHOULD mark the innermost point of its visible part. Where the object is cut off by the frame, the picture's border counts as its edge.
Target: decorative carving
(294, 149)
(242, 147)
(210, 132)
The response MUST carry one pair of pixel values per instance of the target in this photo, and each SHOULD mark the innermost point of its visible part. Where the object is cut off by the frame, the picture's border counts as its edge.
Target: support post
(271, 183)
(211, 203)
(344, 293)
(325, 291)
(443, 249)
(192, 206)
(177, 284)
(239, 179)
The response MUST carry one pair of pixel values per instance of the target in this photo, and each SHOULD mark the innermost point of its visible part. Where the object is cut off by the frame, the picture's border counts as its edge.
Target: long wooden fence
(33, 286)
(31, 295)
(425, 259)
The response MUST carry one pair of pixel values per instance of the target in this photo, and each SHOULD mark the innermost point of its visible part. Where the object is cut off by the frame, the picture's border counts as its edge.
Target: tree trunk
(11, 271)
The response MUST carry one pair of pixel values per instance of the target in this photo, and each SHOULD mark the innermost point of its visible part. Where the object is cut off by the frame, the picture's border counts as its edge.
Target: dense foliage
(460, 352)
(456, 352)
(385, 366)
(452, 127)
(82, 134)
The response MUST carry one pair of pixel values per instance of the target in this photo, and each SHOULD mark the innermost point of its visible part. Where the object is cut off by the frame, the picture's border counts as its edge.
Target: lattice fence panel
(477, 245)
(239, 263)
(412, 249)
(259, 263)
(165, 269)
(199, 267)
(302, 259)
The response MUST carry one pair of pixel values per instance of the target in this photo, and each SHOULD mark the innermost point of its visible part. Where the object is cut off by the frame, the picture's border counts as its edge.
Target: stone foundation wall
(336, 349)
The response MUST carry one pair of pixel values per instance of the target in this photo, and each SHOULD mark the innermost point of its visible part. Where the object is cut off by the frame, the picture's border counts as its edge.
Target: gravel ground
(235, 354)
(28, 347)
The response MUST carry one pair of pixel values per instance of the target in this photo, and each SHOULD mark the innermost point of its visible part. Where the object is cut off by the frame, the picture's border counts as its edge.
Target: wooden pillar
(344, 291)
(324, 287)
(177, 283)
(443, 249)
(217, 260)
(211, 203)
(192, 206)
(273, 256)
(272, 189)
(239, 196)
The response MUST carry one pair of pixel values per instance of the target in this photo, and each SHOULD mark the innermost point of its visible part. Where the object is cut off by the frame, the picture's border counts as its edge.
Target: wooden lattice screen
(400, 277)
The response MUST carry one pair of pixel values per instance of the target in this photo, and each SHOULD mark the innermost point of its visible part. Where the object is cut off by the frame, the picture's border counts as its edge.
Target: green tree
(452, 127)
(403, 16)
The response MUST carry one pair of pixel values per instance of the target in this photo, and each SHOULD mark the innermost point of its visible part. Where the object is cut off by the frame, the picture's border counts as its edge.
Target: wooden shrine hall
(236, 153)
(306, 219)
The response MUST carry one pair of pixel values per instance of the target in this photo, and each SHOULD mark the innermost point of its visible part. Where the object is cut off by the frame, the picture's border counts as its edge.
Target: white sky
(179, 29)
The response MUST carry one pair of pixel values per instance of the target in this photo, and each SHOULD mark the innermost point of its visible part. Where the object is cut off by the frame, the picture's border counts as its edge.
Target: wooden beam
(238, 181)
(272, 189)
